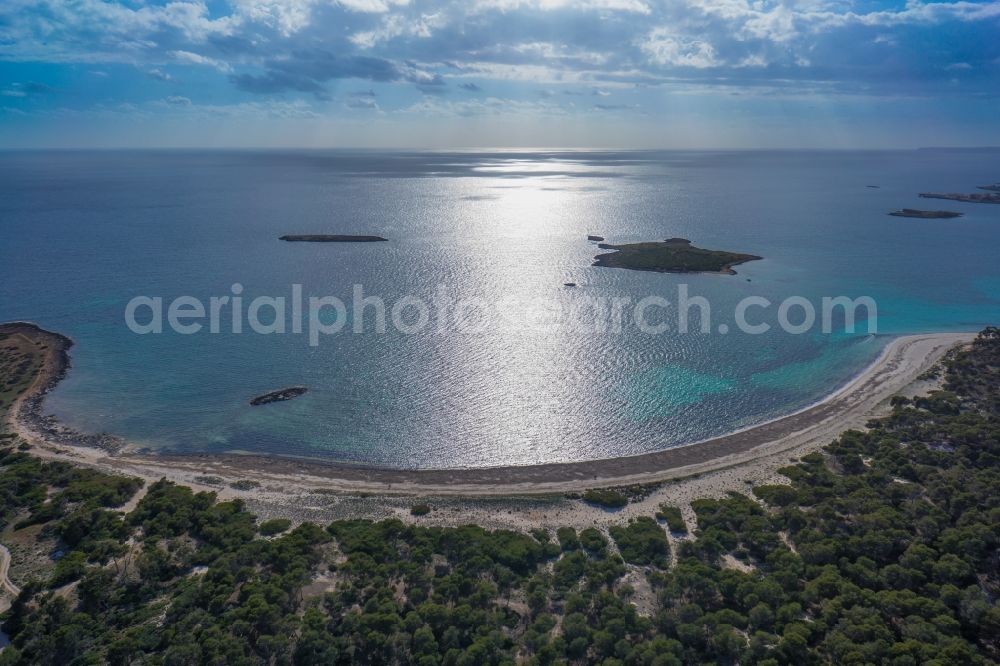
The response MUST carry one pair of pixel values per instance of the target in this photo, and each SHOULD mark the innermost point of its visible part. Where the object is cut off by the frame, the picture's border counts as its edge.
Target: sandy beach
(516, 497)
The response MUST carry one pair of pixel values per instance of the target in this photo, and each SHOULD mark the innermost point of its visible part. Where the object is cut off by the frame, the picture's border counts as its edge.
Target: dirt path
(9, 590)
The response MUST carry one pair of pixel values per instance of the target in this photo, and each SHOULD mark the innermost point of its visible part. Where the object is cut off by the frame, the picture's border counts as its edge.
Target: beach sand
(510, 497)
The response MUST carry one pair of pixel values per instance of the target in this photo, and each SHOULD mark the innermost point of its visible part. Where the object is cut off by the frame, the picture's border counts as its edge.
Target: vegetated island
(330, 238)
(975, 197)
(925, 214)
(674, 255)
(278, 396)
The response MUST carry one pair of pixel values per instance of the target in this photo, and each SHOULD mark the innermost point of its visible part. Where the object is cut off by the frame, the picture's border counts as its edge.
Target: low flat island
(674, 255)
(975, 197)
(925, 214)
(330, 238)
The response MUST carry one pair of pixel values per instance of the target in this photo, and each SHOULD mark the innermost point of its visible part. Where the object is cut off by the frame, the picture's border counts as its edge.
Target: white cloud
(490, 106)
(631, 6)
(396, 25)
(372, 6)
(287, 16)
(665, 48)
(189, 58)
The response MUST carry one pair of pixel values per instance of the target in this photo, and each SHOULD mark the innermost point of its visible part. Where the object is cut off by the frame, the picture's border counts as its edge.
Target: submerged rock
(278, 396)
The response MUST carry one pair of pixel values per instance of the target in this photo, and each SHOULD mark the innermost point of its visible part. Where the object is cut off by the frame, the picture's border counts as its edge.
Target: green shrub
(274, 526)
(605, 497)
(672, 514)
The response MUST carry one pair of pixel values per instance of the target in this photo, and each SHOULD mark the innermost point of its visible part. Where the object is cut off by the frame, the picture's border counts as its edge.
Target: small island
(995, 187)
(592, 237)
(925, 214)
(975, 197)
(330, 238)
(674, 255)
(278, 396)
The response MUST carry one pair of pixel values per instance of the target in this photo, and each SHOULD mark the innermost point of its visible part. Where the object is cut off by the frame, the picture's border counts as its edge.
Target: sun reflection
(528, 222)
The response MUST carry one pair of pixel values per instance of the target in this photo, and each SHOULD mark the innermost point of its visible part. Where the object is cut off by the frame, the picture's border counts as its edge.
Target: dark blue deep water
(83, 233)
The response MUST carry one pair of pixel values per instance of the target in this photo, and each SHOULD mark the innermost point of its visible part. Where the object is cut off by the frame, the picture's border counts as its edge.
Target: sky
(499, 73)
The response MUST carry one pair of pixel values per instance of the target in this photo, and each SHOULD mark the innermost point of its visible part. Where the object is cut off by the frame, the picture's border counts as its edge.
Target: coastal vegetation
(881, 548)
(674, 255)
(607, 498)
(672, 516)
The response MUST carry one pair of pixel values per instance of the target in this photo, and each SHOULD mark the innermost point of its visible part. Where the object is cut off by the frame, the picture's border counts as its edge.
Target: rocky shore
(27, 410)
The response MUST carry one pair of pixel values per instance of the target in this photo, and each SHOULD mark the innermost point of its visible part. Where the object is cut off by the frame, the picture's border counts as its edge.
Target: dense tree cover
(642, 541)
(883, 549)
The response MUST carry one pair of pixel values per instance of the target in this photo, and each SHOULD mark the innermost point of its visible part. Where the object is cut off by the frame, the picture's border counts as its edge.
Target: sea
(499, 374)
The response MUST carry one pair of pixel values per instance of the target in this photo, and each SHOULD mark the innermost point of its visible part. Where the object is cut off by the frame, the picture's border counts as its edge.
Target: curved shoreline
(899, 365)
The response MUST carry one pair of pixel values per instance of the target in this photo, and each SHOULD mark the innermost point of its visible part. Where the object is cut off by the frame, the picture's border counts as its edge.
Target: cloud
(26, 89)
(189, 58)
(614, 107)
(489, 106)
(665, 48)
(361, 103)
(308, 71)
(530, 48)
(372, 6)
(159, 75)
(177, 100)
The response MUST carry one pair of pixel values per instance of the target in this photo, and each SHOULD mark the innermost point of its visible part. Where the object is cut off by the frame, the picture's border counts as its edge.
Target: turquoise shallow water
(85, 232)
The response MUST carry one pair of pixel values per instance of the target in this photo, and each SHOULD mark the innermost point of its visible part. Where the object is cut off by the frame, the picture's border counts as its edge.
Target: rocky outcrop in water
(278, 396)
